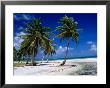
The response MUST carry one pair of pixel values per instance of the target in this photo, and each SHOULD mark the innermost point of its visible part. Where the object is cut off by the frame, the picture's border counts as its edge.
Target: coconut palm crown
(35, 37)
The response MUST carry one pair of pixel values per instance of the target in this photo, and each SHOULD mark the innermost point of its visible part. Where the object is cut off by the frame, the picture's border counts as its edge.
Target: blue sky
(87, 28)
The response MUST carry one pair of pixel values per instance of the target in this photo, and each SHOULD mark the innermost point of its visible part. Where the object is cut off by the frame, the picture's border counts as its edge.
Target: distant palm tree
(67, 31)
(35, 37)
(17, 55)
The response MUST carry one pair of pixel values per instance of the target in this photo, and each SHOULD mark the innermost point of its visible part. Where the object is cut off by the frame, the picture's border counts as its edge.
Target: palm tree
(67, 31)
(17, 55)
(35, 37)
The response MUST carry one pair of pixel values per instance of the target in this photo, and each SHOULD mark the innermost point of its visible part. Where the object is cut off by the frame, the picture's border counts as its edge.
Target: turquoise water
(67, 58)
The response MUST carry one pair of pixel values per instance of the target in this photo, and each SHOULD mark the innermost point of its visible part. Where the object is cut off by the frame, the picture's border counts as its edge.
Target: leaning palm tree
(35, 37)
(67, 31)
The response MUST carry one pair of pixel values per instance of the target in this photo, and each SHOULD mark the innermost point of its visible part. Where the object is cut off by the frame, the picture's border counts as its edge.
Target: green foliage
(17, 55)
(68, 29)
(36, 36)
(49, 49)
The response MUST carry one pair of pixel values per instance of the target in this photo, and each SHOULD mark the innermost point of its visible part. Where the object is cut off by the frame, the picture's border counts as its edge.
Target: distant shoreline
(50, 59)
(80, 60)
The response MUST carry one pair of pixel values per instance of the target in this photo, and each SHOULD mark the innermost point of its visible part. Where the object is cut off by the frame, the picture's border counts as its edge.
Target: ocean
(39, 59)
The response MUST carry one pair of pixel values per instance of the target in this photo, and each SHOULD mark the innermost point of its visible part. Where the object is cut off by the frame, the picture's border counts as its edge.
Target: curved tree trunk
(33, 59)
(34, 54)
(63, 63)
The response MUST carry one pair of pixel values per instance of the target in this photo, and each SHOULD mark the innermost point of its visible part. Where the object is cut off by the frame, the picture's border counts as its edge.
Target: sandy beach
(86, 66)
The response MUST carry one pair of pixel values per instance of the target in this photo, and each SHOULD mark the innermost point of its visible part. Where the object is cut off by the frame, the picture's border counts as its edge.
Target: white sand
(72, 67)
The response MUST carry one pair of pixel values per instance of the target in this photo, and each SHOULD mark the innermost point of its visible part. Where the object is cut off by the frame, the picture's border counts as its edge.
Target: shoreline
(71, 67)
(75, 60)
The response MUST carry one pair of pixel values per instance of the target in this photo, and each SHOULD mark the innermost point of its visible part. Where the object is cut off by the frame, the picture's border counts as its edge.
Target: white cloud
(60, 52)
(20, 28)
(93, 47)
(79, 29)
(90, 42)
(60, 47)
(16, 17)
(20, 33)
(76, 22)
(53, 39)
(18, 40)
(63, 49)
(22, 17)
(26, 17)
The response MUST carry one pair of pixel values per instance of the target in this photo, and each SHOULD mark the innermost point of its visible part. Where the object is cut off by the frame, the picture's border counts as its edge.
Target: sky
(87, 29)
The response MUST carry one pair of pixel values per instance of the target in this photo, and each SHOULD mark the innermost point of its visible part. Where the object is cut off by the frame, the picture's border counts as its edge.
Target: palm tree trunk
(27, 62)
(67, 50)
(63, 63)
(33, 58)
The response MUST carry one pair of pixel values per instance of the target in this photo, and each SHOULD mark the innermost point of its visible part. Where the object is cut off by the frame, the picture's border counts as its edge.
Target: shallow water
(89, 68)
